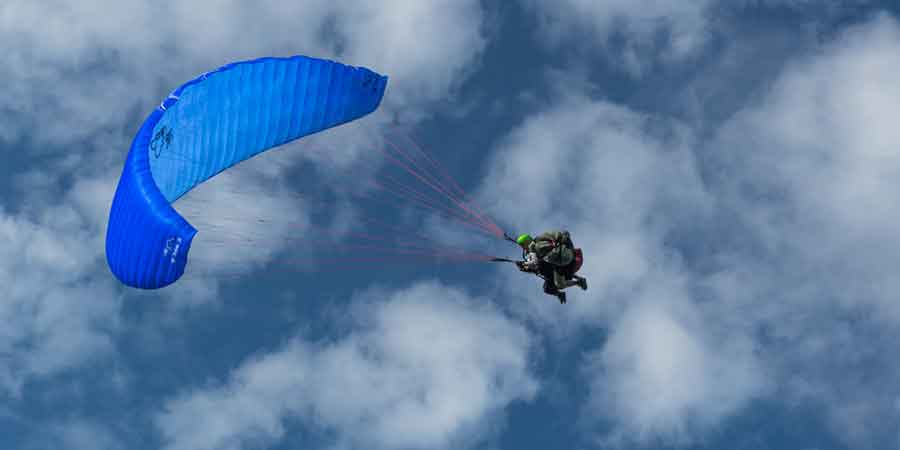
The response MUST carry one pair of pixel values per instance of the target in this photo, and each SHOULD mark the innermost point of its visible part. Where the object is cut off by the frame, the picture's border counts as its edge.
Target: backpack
(554, 247)
(576, 264)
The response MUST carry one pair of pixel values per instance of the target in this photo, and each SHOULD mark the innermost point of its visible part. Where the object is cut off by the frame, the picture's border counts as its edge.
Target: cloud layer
(750, 262)
(59, 311)
(74, 68)
(426, 367)
(810, 172)
(759, 262)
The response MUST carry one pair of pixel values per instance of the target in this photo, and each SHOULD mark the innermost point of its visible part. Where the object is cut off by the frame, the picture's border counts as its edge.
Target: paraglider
(208, 125)
(552, 256)
(231, 114)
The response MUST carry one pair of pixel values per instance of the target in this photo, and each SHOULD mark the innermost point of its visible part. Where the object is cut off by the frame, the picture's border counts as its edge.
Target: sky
(730, 169)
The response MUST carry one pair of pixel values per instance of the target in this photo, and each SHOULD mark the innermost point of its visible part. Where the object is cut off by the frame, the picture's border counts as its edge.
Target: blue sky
(730, 169)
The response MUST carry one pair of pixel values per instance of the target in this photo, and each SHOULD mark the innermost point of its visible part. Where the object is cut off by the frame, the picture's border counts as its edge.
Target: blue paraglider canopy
(208, 125)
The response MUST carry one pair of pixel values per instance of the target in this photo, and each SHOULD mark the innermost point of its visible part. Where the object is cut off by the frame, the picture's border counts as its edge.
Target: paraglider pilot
(553, 257)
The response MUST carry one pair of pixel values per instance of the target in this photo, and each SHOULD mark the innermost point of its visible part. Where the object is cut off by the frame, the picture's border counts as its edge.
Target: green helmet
(524, 239)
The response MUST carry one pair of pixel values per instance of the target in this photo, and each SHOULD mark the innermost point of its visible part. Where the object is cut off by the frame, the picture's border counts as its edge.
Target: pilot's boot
(575, 281)
(582, 282)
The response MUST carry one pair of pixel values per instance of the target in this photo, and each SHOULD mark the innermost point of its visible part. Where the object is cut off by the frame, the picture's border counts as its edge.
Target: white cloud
(809, 172)
(821, 144)
(73, 68)
(790, 286)
(665, 376)
(58, 311)
(428, 368)
(428, 48)
(585, 23)
(826, 132)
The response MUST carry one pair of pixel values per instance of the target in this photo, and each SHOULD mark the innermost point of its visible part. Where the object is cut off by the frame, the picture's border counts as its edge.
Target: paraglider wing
(208, 125)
